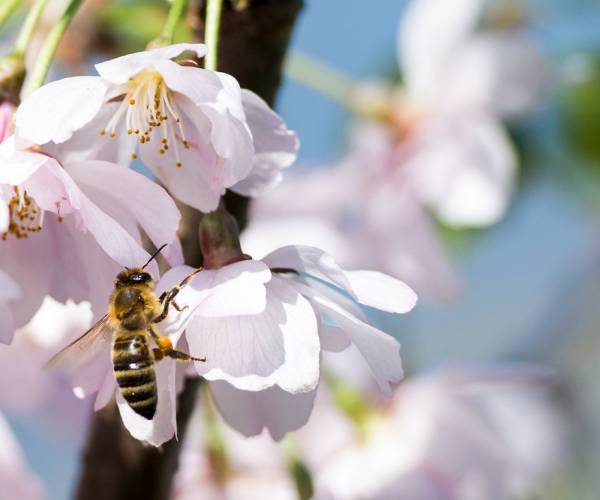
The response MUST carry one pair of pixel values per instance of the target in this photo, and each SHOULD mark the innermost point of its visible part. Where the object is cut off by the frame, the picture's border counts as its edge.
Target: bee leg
(179, 309)
(183, 356)
(166, 298)
(165, 348)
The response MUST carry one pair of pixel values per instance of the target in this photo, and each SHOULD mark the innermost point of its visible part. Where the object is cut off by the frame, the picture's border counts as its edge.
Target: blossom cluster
(267, 322)
(435, 145)
(69, 194)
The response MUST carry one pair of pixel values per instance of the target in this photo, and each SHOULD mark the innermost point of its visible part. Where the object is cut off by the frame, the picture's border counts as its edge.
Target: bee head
(136, 276)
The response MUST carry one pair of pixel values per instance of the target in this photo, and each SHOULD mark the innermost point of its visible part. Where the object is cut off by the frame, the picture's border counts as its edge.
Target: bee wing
(83, 349)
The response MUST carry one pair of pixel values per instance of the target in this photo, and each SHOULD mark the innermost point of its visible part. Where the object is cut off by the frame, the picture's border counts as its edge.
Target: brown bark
(115, 466)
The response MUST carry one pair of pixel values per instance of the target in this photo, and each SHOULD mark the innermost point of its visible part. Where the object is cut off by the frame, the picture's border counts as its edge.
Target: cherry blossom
(238, 290)
(459, 82)
(267, 362)
(17, 480)
(73, 226)
(195, 129)
(452, 434)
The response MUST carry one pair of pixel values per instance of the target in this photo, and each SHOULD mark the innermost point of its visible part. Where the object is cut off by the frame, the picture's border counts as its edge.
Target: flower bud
(12, 75)
(220, 239)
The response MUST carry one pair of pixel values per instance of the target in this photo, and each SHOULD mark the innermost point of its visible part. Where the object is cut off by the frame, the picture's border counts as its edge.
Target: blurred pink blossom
(27, 387)
(73, 226)
(435, 144)
(454, 434)
(217, 463)
(195, 129)
(17, 480)
(459, 83)
(10, 292)
(362, 211)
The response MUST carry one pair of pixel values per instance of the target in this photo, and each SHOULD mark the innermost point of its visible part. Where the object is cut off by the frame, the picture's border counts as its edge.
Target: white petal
(163, 426)
(367, 287)
(279, 346)
(89, 376)
(106, 391)
(466, 171)
(501, 73)
(130, 192)
(380, 350)
(332, 337)
(381, 291)
(233, 290)
(273, 409)
(430, 32)
(275, 146)
(197, 84)
(119, 70)
(56, 110)
(18, 166)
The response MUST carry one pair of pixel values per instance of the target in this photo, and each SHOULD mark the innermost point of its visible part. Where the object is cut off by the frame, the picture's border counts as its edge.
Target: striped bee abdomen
(133, 364)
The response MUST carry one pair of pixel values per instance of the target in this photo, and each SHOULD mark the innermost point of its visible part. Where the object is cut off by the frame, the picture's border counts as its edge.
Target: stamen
(146, 104)
(24, 216)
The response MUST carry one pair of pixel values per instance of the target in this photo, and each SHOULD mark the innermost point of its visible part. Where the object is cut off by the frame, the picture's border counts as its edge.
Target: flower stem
(176, 12)
(320, 77)
(44, 60)
(211, 32)
(29, 26)
(7, 7)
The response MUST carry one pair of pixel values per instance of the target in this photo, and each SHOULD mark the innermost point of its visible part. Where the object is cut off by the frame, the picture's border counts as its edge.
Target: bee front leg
(166, 298)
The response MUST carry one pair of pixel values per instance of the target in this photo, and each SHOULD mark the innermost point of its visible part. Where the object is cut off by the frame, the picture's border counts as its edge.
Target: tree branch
(252, 46)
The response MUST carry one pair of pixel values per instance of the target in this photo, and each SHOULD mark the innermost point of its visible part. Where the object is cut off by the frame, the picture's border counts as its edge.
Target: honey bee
(133, 311)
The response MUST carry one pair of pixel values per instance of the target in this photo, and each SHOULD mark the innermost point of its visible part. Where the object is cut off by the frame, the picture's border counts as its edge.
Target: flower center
(147, 106)
(24, 215)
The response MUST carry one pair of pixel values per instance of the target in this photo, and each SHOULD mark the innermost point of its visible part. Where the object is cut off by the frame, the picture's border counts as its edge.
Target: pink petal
(273, 409)
(7, 324)
(132, 193)
(9, 289)
(4, 214)
(18, 166)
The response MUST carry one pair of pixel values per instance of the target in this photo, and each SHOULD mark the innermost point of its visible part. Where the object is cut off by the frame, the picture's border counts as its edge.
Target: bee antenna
(154, 256)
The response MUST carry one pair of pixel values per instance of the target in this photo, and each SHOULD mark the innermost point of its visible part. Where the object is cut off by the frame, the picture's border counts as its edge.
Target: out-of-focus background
(531, 284)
